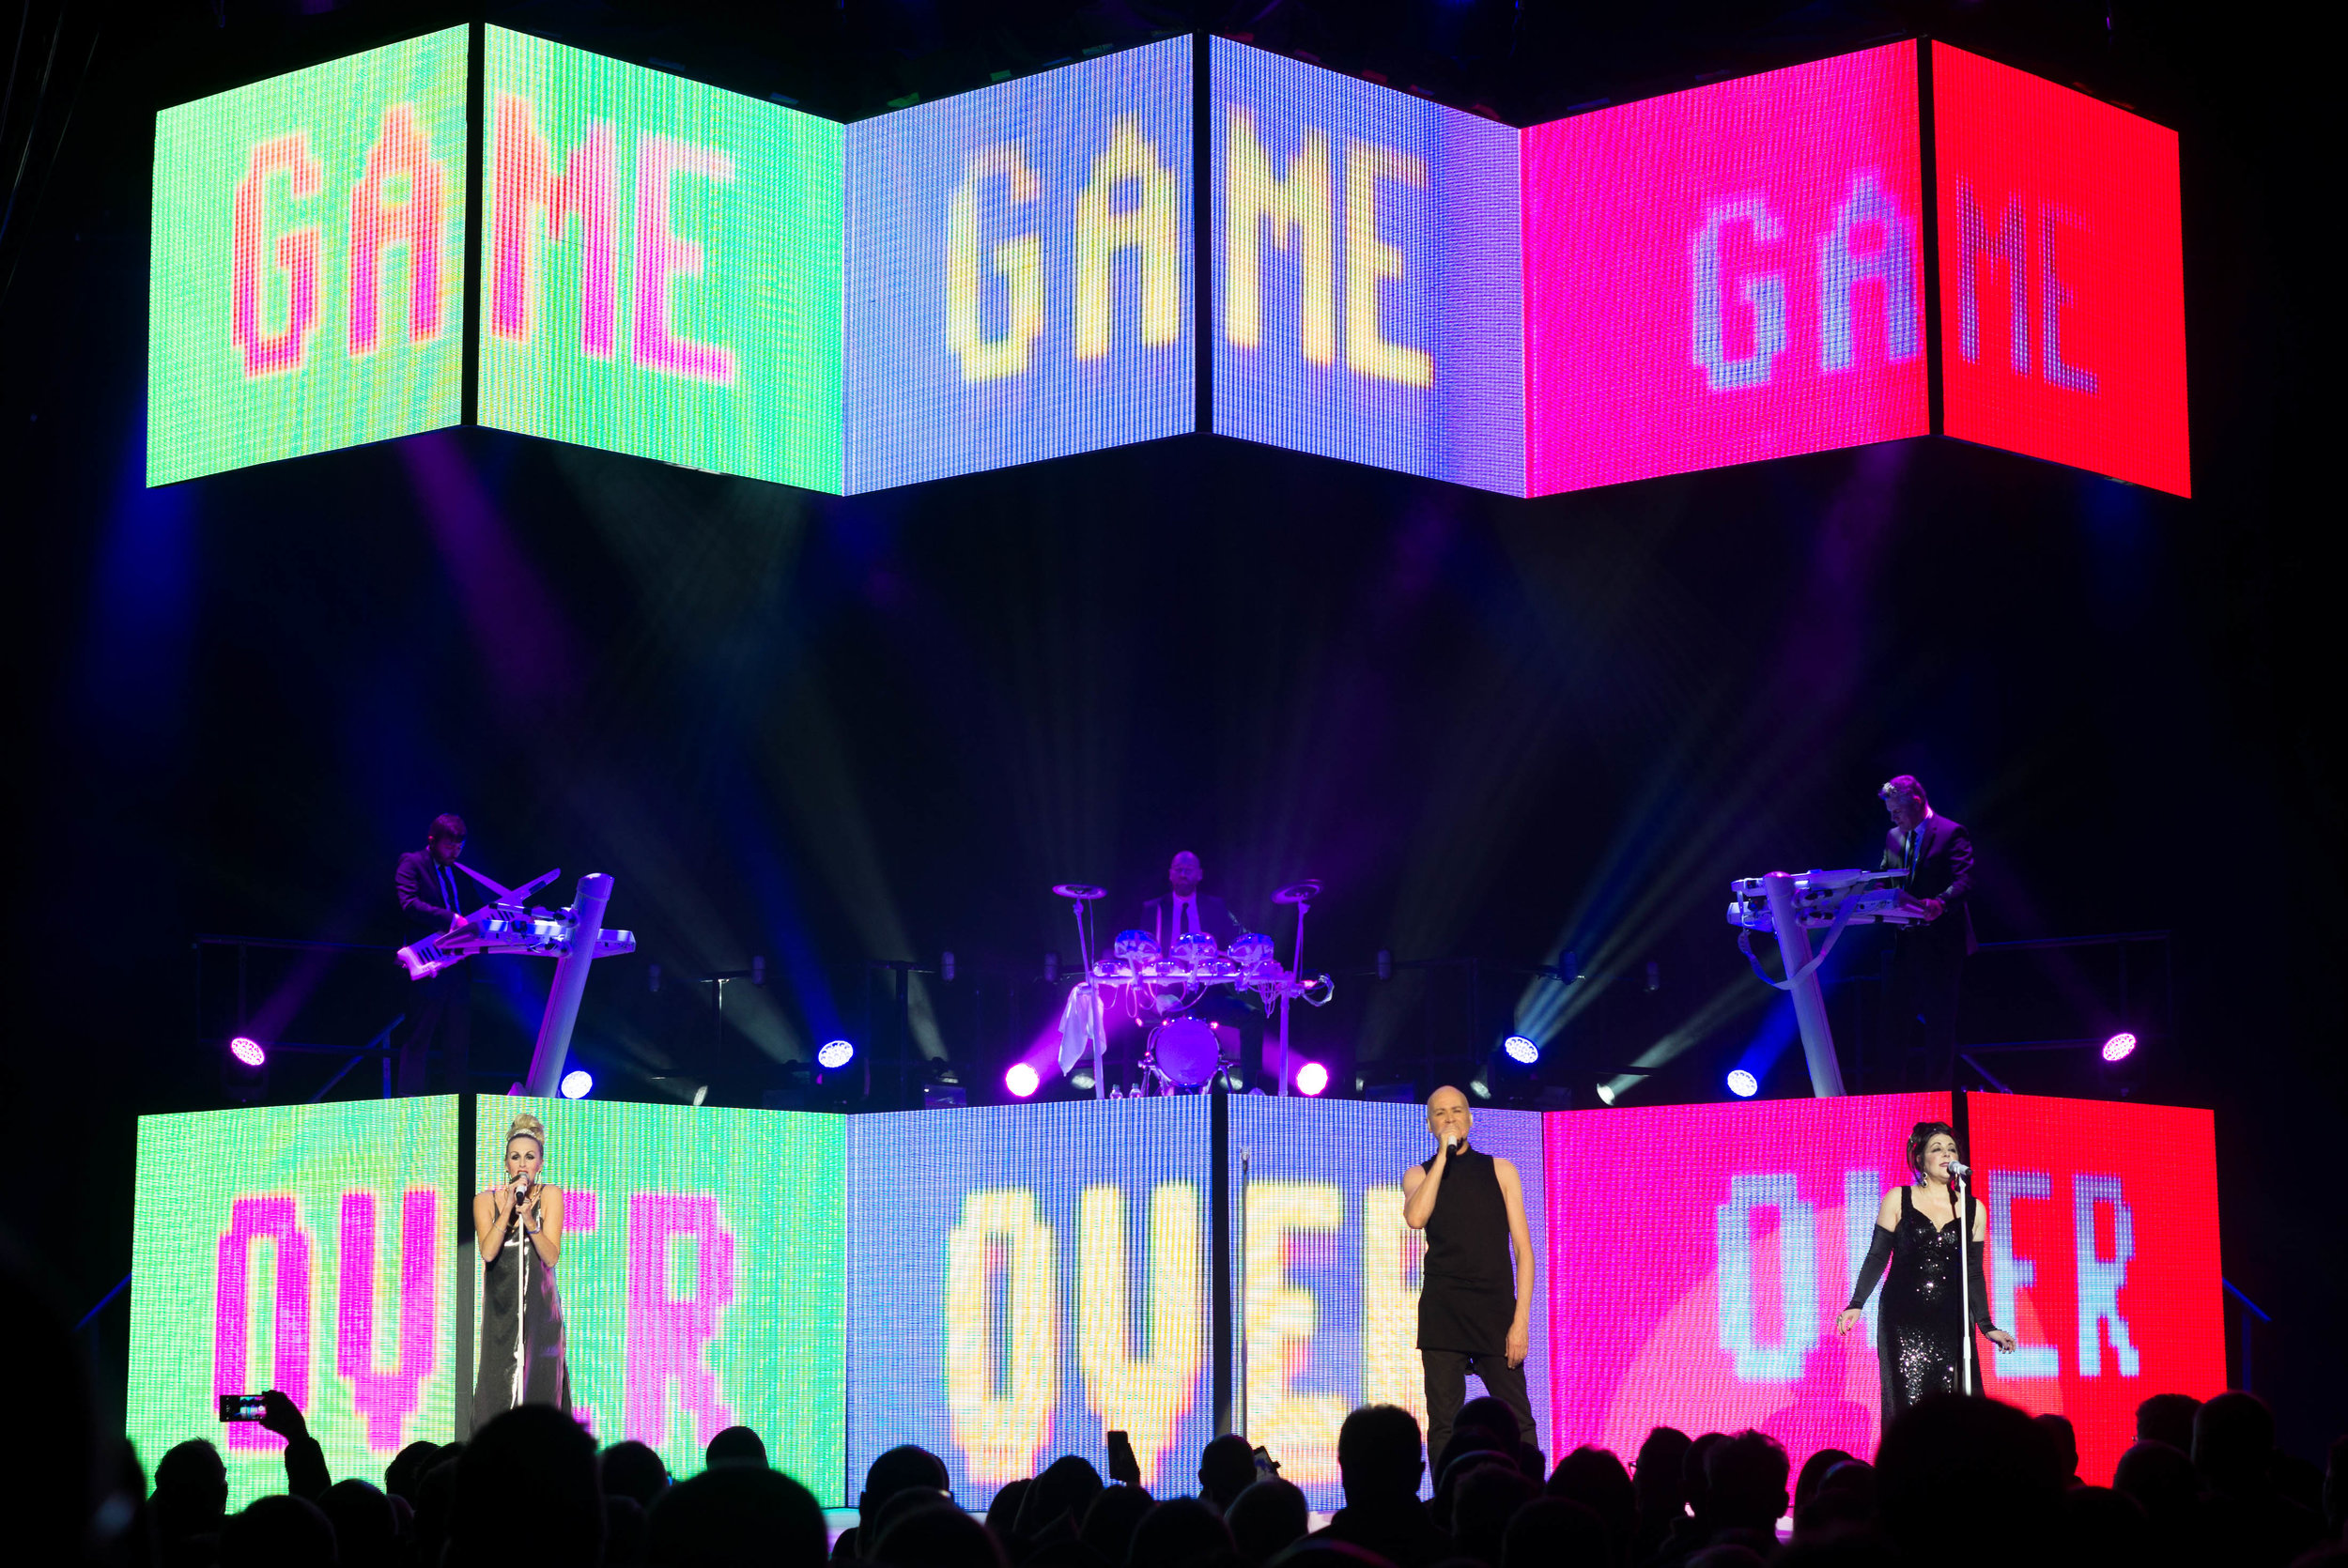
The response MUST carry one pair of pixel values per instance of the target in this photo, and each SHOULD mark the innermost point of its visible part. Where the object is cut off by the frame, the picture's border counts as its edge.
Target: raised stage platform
(1002, 1284)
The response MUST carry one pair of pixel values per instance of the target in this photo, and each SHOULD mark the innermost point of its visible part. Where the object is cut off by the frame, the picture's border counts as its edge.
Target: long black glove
(1878, 1255)
(1980, 1284)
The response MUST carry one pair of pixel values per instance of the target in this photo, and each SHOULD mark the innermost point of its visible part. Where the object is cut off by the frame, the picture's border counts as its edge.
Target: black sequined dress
(1917, 1335)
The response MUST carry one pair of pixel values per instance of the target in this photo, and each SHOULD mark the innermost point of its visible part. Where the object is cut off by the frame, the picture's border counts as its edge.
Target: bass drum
(1185, 1051)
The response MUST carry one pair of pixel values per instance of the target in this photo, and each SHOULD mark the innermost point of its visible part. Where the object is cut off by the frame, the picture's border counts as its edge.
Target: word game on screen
(1327, 1275)
(1724, 274)
(1368, 290)
(1019, 270)
(701, 1276)
(2062, 274)
(303, 1247)
(1026, 1278)
(661, 266)
(306, 290)
(1701, 1254)
(2103, 1260)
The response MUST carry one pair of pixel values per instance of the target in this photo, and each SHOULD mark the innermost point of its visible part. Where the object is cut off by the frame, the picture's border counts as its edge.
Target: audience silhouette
(1955, 1479)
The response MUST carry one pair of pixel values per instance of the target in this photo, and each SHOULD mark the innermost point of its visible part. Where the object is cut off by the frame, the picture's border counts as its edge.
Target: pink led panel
(1726, 274)
(2061, 274)
(1698, 1256)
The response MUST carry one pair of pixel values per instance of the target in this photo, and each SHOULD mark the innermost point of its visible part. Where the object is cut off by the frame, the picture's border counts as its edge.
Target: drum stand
(1300, 894)
(1079, 895)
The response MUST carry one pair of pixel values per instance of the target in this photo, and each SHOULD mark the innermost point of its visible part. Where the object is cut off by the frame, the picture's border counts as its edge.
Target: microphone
(1450, 1140)
(1958, 1168)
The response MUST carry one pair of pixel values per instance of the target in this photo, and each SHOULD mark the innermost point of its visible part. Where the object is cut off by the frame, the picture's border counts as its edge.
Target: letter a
(414, 222)
(1891, 263)
(1152, 226)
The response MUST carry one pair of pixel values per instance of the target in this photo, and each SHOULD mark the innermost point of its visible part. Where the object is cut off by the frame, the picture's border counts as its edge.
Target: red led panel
(2103, 1260)
(2061, 274)
(1726, 274)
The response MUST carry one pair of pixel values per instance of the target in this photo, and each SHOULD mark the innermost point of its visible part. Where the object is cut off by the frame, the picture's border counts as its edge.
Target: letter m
(523, 183)
(1299, 203)
(1978, 247)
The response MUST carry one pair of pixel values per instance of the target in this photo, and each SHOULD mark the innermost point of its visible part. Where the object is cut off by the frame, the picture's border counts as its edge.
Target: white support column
(570, 983)
(1793, 946)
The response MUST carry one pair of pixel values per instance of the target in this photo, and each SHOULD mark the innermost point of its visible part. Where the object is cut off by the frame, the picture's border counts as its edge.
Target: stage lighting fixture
(1021, 1080)
(1606, 1093)
(1744, 1084)
(2118, 1047)
(1522, 1049)
(577, 1084)
(247, 1050)
(834, 1054)
(1312, 1078)
(1479, 1088)
(1081, 1079)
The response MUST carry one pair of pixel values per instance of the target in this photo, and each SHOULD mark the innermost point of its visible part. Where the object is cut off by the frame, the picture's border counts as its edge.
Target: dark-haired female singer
(1919, 1337)
(519, 1228)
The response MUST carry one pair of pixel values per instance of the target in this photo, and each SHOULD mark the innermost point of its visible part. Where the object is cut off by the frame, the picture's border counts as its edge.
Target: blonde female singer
(519, 1228)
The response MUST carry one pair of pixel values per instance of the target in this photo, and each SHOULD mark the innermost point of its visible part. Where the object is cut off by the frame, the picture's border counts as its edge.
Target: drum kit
(1158, 987)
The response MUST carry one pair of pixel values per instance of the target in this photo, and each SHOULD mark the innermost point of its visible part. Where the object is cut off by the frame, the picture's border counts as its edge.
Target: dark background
(825, 732)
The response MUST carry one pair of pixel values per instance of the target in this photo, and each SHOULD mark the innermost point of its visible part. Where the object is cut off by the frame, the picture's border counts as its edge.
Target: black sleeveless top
(1468, 1296)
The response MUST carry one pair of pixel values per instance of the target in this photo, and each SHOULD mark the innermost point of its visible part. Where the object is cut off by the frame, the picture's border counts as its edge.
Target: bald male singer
(1474, 1314)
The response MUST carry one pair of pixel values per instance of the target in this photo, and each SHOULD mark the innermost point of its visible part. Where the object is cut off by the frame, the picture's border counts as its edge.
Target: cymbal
(1297, 892)
(1079, 890)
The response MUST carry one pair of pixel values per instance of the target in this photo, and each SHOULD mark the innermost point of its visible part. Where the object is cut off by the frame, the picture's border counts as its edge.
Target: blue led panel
(1019, 271)
(1023, 1279)
(1368, 262)
(1325, 1277)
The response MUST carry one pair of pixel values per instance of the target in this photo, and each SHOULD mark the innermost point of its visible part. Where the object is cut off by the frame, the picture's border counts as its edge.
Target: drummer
(1185, 908)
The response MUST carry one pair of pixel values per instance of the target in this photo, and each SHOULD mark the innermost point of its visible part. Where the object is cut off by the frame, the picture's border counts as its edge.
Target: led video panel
(1326, 1277)
(660, 271)
(1701, 1254)
(1368, 300)
(2103, 1260)
(308, 1248)
(703, 1274)
(1026, 1278)
(1724, 274)
(2062, 274)
(1019, 270)
(305, 290)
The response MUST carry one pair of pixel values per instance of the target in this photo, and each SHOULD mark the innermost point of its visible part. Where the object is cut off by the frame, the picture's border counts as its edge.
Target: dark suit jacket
(422, 907)
(1157, 918)
(1944, 871)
